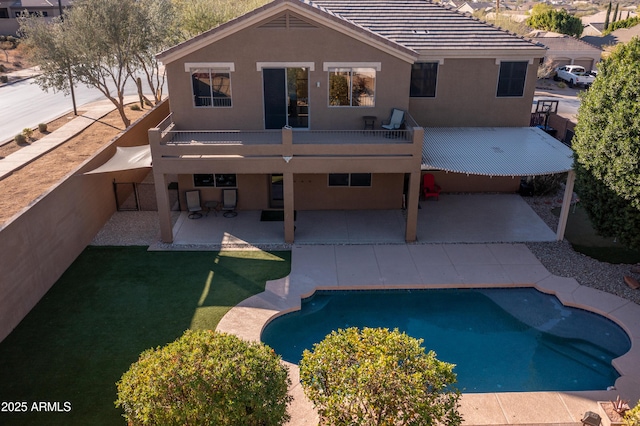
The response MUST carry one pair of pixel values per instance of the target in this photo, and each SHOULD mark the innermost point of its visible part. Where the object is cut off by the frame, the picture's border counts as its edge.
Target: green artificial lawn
(108, 307)
(584, 239)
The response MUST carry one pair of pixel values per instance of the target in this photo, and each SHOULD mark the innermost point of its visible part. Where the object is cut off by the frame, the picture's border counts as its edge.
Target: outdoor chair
(429, 187)
(229, 202)
(395, 120)
(193, 204)
(394, 123)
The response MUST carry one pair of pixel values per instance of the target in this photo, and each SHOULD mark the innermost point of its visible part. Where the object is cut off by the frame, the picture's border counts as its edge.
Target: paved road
(568, 100)
(24, 104)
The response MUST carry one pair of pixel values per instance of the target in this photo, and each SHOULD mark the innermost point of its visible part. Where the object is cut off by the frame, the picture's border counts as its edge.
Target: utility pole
(73, 95)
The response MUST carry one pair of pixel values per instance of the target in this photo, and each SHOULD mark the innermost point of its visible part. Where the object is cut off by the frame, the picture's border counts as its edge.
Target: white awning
(126, 158)
(495, 151)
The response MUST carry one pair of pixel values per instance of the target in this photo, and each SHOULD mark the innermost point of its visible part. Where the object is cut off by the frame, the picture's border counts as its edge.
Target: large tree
(98, 43)
(559, 21)
(206, 378)
(375, 376)
(607, 146)
(157, 20)
(197, 16)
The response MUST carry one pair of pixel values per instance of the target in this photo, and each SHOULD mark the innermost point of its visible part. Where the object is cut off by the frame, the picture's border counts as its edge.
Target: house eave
(514, 54)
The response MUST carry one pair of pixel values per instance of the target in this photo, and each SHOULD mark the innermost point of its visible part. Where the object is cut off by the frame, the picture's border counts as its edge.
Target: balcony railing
(274, 137)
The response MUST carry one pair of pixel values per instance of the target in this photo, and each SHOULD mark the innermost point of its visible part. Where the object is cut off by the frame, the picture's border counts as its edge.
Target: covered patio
(496, 218)
(455, 218)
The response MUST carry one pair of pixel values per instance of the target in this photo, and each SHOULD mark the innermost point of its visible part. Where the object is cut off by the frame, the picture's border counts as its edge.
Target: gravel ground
(560, 259)
(142, 228)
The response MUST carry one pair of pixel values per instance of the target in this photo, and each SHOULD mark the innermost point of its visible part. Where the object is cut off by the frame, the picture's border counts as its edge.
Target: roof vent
(287, 21)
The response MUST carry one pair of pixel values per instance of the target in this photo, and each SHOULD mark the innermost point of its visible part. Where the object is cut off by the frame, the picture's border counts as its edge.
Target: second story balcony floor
(169, 141)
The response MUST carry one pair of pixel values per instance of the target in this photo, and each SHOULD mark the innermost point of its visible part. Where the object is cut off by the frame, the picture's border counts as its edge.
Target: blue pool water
(501, 340)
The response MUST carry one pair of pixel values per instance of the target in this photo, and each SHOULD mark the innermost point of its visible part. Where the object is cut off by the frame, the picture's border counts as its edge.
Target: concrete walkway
(439, 266)
(27, 154)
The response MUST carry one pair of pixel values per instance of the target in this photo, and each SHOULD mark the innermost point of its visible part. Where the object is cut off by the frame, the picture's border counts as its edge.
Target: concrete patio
(453, 219)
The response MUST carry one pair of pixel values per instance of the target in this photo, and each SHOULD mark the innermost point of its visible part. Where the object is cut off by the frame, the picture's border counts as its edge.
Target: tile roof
(566, 43)
(422, 25)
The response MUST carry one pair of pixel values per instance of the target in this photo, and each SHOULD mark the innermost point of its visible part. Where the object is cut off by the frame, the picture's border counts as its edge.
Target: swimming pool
(501, 340)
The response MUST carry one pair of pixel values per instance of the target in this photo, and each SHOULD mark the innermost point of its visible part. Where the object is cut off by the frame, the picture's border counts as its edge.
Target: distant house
(565, 50)
(471, 7)
(623, 35)
(594, 24)
(12, 9)
(284, 107)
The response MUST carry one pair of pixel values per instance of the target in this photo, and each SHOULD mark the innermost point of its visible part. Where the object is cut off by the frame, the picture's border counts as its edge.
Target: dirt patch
(25, 185)
(18, 59)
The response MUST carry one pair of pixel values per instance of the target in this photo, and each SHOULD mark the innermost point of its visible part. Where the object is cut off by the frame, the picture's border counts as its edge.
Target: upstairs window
(211, 87)
(512, 78)
(424, 77)
(352, 87)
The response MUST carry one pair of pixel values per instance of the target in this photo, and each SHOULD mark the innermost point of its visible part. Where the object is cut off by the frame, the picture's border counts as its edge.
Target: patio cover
(500, 151)
(495, 151)
(126, 158)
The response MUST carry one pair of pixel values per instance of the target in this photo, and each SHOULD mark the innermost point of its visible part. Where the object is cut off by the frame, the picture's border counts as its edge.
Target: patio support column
(412, 201)
(289, 211)
(164, 209)
(162, 188)
(566, 204)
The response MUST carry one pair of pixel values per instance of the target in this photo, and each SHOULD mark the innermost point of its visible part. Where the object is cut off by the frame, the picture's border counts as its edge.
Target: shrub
(632, 417)
(20, 139)
(135, 107)
(42, 127)
(376, 376)
(3, 68)
(27, 132)
(4, 79)
(206, 378)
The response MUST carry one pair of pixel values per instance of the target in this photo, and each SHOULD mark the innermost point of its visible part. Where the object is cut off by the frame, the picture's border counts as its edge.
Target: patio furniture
(212, 206)
(429, 187)
(229, 202)
(369, 122)
(193, 204)
(395, 120)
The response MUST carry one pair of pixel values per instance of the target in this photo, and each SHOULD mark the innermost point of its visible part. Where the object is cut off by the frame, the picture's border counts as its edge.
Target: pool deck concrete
(378, 266)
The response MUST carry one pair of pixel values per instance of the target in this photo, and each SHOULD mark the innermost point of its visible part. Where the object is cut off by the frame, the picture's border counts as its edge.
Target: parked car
(574, 75)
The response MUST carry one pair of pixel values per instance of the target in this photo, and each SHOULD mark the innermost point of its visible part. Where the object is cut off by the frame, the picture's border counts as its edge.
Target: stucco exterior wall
(459, 182)
(311, 192)
(466, 97)
(40, 243)
(286, 45)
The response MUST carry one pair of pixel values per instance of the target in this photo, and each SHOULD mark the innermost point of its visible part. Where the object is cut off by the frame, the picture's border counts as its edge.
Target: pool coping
(345, 267)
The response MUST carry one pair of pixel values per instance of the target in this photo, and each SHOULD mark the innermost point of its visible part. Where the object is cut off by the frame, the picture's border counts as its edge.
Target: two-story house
(285, 104)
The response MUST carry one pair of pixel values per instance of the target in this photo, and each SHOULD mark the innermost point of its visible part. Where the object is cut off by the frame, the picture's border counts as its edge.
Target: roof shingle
(422, 25)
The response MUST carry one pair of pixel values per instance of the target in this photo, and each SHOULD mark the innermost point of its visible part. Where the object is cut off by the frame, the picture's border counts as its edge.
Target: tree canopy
(197, 16)
(206, 378)
(607, 146)
(103, 43)
(559, 21)
(375, 376)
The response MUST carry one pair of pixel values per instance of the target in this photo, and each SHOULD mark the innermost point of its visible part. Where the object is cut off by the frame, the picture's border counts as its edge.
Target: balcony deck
(299, 137)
